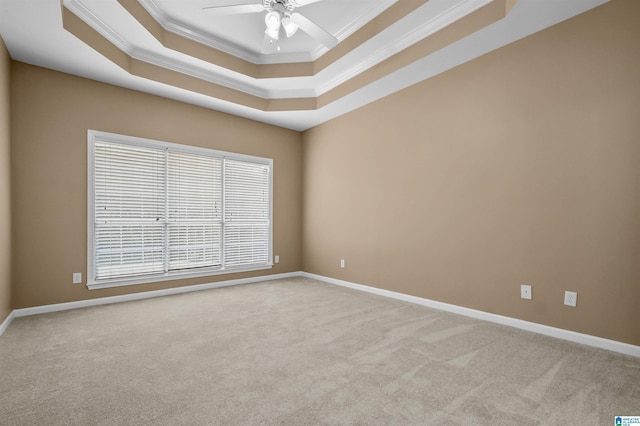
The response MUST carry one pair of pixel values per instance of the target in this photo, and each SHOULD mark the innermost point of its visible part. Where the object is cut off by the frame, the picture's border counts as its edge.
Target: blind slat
(158, 210)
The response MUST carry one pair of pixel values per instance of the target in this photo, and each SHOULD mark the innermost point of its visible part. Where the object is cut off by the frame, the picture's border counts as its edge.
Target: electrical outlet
(570, 298)
(342, 263)
(77, 277)
(276, 259)
(525, 291)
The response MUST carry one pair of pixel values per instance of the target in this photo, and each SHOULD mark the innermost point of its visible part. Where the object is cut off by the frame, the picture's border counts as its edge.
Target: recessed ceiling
(341, 18)
(171, 48)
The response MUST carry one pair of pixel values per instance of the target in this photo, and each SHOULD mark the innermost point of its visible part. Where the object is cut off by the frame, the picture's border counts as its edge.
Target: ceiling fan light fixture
(289, 26)
(280, 13)
(272, 19)
(274, 34)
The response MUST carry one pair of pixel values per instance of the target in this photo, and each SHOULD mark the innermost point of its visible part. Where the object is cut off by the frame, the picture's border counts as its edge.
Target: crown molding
(218, 43)
(274, 71)
(78, 8)
(374, 8)
(179, 28)
(83, 12)
(425, 21)
(171, 64)
(394, 39)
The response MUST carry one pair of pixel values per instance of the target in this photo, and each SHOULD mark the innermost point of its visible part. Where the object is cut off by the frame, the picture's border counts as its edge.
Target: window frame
(92, 283)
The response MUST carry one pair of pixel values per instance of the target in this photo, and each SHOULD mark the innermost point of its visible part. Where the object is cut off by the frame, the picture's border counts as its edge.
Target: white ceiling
(34, 34)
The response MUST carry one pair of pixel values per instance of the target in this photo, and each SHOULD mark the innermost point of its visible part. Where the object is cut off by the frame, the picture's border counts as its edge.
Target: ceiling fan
(280, 15)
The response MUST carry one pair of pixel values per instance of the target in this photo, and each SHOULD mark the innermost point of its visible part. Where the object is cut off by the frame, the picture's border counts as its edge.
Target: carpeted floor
(299, 352)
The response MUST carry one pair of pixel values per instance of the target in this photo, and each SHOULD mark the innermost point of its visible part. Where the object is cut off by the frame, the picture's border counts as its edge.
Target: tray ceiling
(171, 48)
(242, 34)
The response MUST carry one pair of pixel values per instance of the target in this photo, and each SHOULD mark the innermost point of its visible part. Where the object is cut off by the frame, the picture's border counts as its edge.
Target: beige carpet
(299, 352)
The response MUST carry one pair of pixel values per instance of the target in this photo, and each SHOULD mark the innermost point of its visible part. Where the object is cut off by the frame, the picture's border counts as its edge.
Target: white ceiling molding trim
(395, 39)
(121, 52)
(374, 8)
(386, 44)
(83, 12)
(183, 30)
(78, 8)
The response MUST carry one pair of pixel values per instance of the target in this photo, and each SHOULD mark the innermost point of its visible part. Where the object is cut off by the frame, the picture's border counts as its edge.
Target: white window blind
(159, 211)
(246, 213)
(129, 210)
(195, 211)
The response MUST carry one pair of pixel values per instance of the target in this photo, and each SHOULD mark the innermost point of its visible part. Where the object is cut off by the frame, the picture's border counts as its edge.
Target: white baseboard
(6, 322)
(144, 295)
(572, 336)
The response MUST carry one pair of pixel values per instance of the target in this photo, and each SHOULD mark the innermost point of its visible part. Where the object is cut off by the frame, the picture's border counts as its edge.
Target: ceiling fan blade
(314, 30)
(300, 3)
(233, 10)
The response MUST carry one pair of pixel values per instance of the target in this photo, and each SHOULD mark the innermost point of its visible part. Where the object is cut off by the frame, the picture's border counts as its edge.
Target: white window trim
(92, 284)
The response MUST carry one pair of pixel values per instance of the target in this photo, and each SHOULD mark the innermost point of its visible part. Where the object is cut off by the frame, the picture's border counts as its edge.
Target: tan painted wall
(5, 184)
(521, 167)
(51, 113)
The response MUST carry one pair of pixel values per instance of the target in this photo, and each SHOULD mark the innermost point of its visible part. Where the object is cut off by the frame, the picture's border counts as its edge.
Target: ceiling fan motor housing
(284, 7)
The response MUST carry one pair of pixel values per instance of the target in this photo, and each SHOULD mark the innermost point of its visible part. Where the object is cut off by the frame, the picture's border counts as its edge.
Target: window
(161, 211)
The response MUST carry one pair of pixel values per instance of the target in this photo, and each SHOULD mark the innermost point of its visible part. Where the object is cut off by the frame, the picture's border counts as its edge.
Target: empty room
(319, 212)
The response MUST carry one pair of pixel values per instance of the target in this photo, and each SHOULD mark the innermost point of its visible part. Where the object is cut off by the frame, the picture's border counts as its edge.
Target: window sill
(172, 276)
